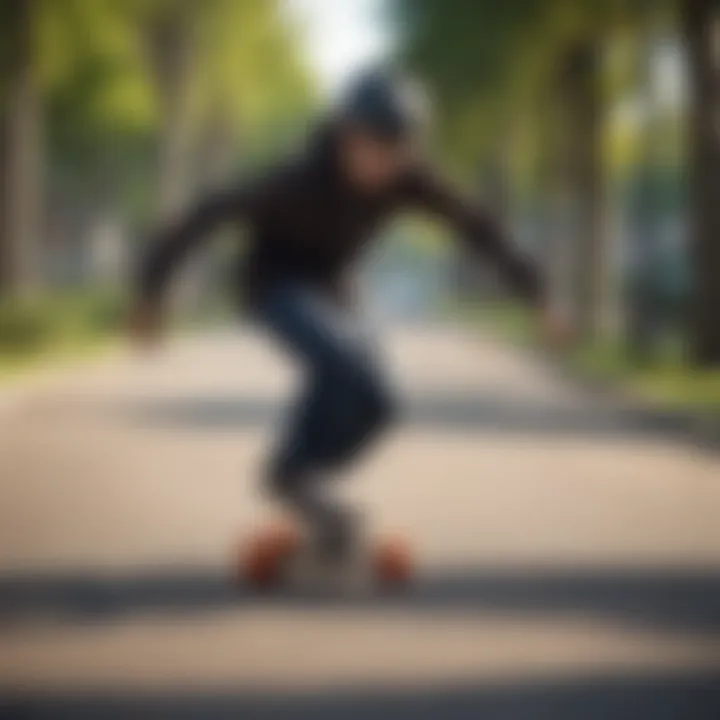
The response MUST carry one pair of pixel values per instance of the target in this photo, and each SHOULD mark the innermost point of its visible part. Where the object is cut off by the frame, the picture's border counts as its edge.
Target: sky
(341, 36)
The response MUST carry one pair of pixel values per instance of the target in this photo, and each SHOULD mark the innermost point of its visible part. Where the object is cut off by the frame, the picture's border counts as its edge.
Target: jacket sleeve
(169, 247)
(477, 227)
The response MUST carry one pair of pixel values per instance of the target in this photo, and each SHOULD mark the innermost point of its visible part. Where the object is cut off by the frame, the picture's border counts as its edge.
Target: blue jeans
(345, 401)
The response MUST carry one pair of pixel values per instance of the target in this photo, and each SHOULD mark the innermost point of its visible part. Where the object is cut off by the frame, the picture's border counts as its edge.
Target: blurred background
(590, 126)
(560, 535)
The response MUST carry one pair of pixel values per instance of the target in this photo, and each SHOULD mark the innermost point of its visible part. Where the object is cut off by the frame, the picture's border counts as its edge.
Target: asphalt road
(568, 553)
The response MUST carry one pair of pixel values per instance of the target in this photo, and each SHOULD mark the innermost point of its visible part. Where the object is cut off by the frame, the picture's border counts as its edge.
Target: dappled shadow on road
(610, 697)
(653, 599)
(442, 410)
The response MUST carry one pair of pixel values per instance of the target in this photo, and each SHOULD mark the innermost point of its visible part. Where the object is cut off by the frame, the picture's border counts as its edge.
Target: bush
(31, 327)
(25, 328)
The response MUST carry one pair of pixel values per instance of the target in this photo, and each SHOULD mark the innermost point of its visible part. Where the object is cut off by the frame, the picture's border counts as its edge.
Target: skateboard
(278, 556)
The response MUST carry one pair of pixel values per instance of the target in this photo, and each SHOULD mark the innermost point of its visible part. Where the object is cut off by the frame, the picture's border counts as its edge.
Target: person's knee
(377, 401)
(380, 400)
(280, 478)
(359, 387)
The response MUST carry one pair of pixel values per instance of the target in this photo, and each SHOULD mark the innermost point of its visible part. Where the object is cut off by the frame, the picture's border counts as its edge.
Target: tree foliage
(103, 94)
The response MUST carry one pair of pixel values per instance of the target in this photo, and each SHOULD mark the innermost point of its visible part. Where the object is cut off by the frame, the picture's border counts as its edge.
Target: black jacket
(307, 222)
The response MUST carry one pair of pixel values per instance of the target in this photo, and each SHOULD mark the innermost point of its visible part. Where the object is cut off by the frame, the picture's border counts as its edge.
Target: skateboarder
(309, 220)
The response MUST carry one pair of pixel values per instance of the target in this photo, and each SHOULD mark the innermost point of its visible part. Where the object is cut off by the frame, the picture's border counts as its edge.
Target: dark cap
(386, 104)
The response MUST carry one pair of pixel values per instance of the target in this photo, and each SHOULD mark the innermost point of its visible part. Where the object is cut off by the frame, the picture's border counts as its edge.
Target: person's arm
(165, 252)
(175, 241)
(480, 230)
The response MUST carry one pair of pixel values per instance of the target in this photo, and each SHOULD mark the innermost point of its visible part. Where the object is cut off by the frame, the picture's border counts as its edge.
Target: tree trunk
(644, 314)
(701, 23)
(215, 151)
(554, 240)
(212, 167)
(171, 50)
(585, 196)
(21, 155)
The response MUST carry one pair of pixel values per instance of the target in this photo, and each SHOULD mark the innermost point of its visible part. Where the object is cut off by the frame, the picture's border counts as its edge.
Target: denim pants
(344, 402)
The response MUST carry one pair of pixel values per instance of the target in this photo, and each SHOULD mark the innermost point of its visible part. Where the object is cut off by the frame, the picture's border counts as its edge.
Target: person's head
(381, 121)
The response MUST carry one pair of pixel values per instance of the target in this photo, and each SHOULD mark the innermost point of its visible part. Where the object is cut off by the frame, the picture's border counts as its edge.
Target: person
(309, 220)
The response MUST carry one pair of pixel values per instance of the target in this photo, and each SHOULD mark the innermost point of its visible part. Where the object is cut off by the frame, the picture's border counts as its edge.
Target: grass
(15, 368)
(668, 382)
(56, 328)
(62, 328)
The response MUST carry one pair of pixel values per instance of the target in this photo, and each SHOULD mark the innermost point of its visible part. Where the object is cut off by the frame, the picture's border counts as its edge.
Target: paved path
(569, 557)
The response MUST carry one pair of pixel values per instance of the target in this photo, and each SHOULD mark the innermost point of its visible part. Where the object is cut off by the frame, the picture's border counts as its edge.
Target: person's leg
(362, 386)
(344, 403)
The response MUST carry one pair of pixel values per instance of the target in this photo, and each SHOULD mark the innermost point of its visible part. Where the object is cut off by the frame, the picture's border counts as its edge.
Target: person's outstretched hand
(145, 324)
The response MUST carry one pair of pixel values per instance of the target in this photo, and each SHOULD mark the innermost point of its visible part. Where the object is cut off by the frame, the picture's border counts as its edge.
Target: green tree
(20, 147)
(111, 107)
(700, 23)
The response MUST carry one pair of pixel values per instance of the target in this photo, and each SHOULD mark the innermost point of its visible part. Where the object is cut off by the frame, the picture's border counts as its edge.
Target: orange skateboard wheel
(266, 553)
(392, 561)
